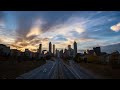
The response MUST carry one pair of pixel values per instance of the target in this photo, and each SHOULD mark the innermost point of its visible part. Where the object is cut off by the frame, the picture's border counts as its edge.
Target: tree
(77, 58)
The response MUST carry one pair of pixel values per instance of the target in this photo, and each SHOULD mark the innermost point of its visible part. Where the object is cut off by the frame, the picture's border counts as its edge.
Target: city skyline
(27, 29)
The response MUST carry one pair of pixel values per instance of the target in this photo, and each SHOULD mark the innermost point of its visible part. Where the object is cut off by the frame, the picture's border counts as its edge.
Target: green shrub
(78, 59)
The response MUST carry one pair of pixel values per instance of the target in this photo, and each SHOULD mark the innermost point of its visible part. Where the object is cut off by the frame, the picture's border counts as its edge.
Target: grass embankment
(104, 71)
(10, 69)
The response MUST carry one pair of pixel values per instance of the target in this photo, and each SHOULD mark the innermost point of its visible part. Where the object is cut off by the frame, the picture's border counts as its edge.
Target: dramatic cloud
(6, 37)
(25, 29)
(31, 44)
(36, 29)
(27, 35)
(59, 38)
(66, 29)
(2, 25)
(85, 40)
(64, 33)
(34, 32)
(116, 27)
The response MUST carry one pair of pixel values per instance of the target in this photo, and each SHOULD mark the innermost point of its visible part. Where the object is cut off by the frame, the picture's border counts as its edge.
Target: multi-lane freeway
(57, 70)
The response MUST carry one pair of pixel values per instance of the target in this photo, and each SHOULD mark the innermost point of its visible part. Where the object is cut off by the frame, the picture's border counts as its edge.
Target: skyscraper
(75, 48)
(70, 51)
(97, 50)
(40, 48)
(53, 49)
(50, 48)
(69, 47)
(57, 53)
(61, 53)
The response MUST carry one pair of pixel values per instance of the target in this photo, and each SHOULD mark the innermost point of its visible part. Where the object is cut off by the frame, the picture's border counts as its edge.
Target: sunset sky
(27, 29)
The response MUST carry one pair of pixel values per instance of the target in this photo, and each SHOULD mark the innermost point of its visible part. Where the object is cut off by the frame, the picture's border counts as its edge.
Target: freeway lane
(41, 72)
(55, 74)
(62, 72)
(57, 70)
(68, 74)
(80, 72)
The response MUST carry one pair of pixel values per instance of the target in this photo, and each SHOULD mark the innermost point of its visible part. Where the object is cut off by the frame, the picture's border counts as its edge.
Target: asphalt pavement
(57, 70)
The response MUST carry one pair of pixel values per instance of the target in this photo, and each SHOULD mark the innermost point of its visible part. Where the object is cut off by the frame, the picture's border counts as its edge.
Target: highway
(57, 70)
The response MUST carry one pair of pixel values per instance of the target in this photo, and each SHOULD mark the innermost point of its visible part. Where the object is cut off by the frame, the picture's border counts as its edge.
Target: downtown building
(75, 48)
(70, 51)
(54, 49)
(39, 52)
(50, 48)
(4, 50)
(97, 50)
(40, 49)
(61, 53)
(57, 53)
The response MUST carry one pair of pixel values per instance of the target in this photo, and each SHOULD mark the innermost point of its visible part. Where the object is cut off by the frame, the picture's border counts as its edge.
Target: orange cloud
(34, 32)
(31, 44)
(86, 39)
(35, 29)
(116, 27)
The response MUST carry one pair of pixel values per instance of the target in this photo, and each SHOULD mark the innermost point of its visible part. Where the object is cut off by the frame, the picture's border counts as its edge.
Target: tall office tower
(40, 48)
(53, 49)
(75, 48)
(50, 48)
(69, 50)
(69, 47)
(61, 53)
(57, 53)
(97, 50)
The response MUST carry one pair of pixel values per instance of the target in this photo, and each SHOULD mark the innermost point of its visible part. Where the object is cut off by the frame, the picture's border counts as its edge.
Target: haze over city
(27, 29)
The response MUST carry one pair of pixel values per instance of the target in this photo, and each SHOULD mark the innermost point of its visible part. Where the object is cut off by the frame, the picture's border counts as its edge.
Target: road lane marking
(51, 69)
(34, 72)
(72, 72)
(61, 70)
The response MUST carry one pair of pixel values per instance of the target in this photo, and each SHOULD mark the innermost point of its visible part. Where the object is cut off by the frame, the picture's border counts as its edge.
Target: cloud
(98, 12)
(6, 40)
(65, 33)
(36, 28)
(33, 29)
(2, 24)
(97, 30)
(116, 27)
(6, 36)
(28, 25)
(1, 41)
(111, 19)
(28, 35)
(30, 44)
(66, 29)
(34, 32)
(75, 28)
(86, 39)
(1, 15)
(59, 38)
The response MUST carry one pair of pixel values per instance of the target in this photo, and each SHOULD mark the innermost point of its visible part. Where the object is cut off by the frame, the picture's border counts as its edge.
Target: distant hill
(110, 48)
